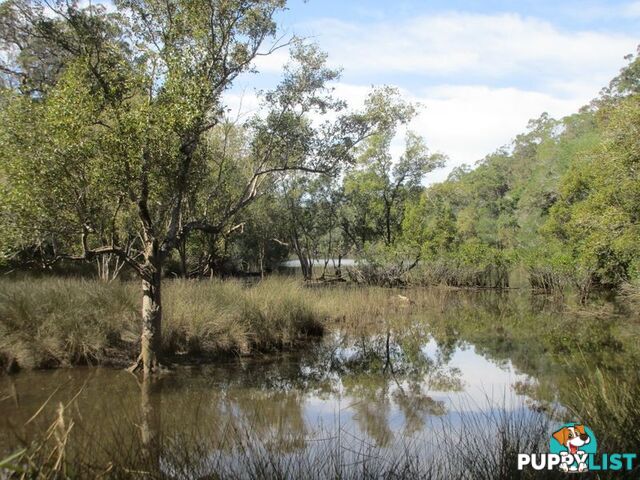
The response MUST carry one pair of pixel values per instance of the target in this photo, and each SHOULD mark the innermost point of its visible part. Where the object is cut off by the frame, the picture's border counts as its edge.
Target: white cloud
(489, 46)
(485, 75)
(464, 122)
(241, 104)
(468, 122)
(273, 62)
(480, 77)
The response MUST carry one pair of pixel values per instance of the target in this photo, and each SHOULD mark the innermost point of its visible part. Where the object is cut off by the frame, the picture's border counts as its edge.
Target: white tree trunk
(151, 343)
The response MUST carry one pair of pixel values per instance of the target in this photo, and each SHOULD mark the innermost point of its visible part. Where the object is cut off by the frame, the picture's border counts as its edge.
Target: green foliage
(596, 216)
(115, 141)
(378, 189)
(561, 201)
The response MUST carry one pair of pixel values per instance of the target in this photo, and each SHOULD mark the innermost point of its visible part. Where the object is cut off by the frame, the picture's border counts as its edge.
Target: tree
(257, 245)
(379, 189)
(310, 219)
(122, 133)
(122, 125)
(596, 216)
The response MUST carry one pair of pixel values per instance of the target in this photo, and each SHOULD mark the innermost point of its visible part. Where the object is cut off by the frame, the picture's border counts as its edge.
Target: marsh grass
(461, 274)
(476, 445)
(610, 405)
(60, 322)
(48, 322)
(213, 317)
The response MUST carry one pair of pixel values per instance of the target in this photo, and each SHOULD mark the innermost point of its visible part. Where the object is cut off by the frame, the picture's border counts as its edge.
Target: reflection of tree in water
(194, 426)
(538, 336)
(371, 406)
(233, 418)
(274, 417)
(197, 414)
(151, 422)
(386, 370)
(386, 375)
(380, 373)
(415, 405)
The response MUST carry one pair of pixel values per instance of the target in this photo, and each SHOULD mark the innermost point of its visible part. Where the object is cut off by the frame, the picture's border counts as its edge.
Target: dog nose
(584, 437)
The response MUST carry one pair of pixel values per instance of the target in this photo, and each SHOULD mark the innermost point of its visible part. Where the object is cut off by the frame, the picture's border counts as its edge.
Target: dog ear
(562, 436)
(580, 429)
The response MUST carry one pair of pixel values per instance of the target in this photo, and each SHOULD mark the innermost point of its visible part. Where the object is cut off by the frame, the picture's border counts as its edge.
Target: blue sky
(481, 70)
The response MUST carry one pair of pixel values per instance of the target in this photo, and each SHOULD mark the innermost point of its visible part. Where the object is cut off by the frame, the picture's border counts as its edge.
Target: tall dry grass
(48, 322)
(213, 317)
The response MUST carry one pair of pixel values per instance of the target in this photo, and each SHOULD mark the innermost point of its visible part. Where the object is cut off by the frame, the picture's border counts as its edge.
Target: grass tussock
(48, 323)
(60, 322)
(225, 316)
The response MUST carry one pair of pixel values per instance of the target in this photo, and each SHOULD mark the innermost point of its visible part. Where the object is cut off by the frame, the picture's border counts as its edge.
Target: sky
(479, 69)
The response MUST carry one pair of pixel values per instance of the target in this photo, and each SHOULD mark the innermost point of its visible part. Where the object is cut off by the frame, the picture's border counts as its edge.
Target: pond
(320, 262)
(457, 366)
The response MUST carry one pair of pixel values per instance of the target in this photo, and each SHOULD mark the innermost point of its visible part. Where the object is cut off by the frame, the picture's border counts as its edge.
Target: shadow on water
(460, 383)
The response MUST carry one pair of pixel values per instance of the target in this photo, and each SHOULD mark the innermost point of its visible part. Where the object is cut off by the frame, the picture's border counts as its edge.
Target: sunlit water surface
(382, 391)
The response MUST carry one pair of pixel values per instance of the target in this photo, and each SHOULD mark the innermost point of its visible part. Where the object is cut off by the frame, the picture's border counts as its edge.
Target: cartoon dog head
(572, 437)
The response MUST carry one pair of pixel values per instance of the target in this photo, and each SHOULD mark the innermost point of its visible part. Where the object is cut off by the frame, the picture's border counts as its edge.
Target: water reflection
(378, 388)
(379, 385)
(151, 421)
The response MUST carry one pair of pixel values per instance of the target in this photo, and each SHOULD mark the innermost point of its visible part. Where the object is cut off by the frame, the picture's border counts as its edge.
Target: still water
(466, 359)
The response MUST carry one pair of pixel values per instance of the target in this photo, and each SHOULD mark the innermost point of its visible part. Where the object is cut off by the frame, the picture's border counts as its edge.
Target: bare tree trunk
(182, 252)
(108, 267)
(324, 268)
(151, 344)
(306, 264)
(261, 260)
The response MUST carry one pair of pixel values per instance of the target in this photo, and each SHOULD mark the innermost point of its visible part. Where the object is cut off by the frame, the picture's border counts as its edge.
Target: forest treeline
(119, 151)
(560, 200)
